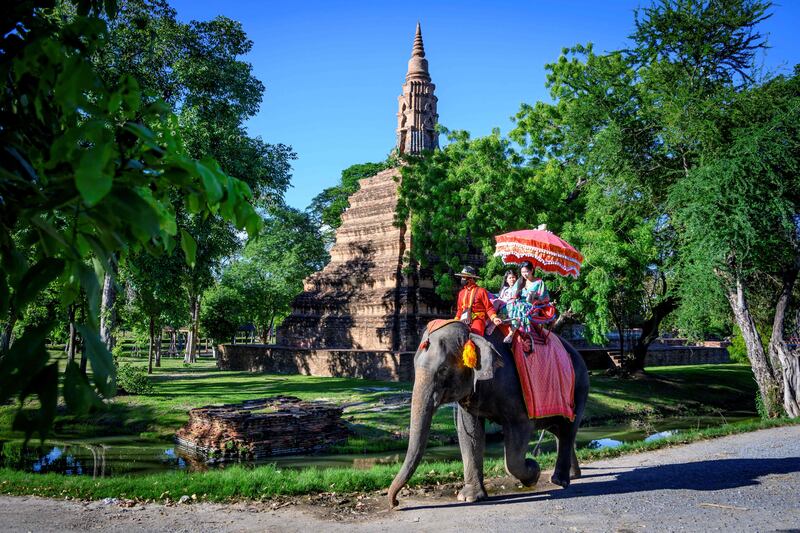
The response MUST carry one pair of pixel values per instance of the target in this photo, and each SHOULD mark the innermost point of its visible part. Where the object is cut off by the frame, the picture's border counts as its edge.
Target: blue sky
(333, 70)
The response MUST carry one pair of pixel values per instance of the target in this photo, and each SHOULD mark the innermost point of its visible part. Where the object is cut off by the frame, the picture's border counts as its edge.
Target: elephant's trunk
(422, 409)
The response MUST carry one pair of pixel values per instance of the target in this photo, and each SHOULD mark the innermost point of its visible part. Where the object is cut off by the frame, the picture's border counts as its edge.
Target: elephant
(440, 377)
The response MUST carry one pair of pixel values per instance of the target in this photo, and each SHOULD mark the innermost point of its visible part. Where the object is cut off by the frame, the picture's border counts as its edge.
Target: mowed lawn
(378, 411)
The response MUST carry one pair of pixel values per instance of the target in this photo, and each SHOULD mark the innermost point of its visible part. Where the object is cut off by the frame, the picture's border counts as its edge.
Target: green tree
(738, 215)
(455, 201)
(272, 267)
(222, 314)
(151, 281)
(628, 126)
(89, 170)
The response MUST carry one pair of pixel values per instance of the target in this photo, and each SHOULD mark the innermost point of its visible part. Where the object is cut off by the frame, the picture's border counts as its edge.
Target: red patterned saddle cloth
(547, 377)
(439, 323)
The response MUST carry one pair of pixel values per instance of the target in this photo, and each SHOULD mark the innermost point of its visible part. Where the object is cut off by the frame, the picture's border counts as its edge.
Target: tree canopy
(271, 269)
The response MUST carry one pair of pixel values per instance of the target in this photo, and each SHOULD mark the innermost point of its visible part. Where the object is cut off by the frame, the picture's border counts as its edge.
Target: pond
(115, 456)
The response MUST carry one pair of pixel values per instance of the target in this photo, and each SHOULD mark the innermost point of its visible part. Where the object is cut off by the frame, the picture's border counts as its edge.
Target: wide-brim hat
(468, 272)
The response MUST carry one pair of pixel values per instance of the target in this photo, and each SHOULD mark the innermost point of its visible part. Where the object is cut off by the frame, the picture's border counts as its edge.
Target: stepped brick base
(364, 299)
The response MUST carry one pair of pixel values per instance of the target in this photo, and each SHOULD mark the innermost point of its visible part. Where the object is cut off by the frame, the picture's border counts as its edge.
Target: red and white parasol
(543, 248)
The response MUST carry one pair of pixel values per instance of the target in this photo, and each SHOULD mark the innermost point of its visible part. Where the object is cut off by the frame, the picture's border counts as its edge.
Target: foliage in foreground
(91, 170)
(239, 483)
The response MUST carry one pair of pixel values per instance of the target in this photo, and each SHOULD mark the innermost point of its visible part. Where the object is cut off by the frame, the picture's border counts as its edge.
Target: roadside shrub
(117, 352)
(133, 380)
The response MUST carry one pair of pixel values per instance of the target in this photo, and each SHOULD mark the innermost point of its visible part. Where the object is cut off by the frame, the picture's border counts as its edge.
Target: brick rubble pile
(258, 429)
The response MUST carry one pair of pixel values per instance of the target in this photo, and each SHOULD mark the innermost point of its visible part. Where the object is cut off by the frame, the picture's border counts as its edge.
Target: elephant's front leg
(517, 440)
(471, 439)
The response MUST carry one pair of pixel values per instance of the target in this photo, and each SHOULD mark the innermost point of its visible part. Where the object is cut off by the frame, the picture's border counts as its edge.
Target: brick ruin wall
(386, 365)
(383, 365)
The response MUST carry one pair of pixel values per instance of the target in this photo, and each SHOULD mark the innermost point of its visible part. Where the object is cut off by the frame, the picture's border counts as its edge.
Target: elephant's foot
(528, 474)
(558, 478)
(471, 493)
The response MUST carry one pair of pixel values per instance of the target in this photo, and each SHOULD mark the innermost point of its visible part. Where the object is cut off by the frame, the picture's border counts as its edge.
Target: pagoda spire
(417, 116)
(418, 65)
(419, 48)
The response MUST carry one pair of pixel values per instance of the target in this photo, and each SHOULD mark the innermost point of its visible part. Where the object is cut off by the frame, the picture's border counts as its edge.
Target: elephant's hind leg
(575, 468)
(517, 439)
(566, 460)
(471, 440)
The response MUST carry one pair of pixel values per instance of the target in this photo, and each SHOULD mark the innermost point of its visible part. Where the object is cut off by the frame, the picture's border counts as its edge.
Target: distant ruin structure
(365, 299)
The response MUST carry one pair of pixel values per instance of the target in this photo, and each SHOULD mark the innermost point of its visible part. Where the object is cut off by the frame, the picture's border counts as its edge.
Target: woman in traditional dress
(531, 304)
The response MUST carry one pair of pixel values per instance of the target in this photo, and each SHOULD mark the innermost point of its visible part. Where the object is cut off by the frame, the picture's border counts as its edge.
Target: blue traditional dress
(532, 307)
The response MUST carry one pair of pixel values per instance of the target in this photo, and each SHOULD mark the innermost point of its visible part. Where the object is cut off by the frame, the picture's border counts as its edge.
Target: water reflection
(116, 456)
(598, 444)
(661, 435)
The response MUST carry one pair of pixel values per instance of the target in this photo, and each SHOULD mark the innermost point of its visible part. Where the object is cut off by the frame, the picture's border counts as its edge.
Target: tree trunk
(72, 335)
(108, 313)
(8, 331)
(650, 332)
(269, 329)
(788, 359)
(152, 348)
(84, 359)
(158, 347)
(191, 342)
(173, 342)
(768, 386)
(81, 342)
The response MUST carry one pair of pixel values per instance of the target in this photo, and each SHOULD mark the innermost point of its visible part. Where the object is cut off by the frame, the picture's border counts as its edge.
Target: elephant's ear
(485, 368)
(425, 342)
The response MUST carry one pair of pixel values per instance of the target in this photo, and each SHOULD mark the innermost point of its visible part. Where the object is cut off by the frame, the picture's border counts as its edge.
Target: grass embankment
(378, 412)
(240, 483)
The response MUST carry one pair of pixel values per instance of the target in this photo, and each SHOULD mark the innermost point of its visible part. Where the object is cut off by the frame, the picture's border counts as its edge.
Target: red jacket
(481, 307)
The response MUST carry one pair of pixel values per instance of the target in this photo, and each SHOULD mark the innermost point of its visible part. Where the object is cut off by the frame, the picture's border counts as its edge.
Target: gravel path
(746, 482)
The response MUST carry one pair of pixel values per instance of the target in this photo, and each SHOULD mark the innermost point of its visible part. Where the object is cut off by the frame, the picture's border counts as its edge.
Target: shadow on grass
(243, 384)
(110, 420)
(727, 474)
(675, 389)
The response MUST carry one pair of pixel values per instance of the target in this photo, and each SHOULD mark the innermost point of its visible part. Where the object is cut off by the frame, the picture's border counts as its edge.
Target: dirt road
(746, 482)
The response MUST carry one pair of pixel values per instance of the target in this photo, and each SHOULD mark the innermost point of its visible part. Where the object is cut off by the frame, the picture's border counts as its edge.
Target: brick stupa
(363, 299)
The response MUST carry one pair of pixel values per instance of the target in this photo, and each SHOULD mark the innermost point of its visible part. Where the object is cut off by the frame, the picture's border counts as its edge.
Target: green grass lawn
(376, 410)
